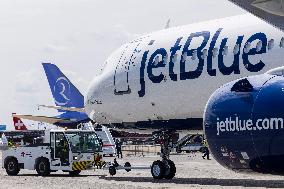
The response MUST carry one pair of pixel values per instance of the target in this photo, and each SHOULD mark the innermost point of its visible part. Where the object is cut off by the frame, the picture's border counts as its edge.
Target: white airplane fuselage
(170, 74)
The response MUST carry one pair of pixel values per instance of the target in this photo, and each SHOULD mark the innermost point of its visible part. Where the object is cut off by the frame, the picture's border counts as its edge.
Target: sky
(77, 36)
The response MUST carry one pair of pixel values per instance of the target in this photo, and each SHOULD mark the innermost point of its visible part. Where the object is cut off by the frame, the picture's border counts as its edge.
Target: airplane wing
(51, 120)
(64, 108)
(271, 11)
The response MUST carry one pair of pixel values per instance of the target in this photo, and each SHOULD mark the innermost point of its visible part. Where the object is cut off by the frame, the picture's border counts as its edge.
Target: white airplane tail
(18, 124)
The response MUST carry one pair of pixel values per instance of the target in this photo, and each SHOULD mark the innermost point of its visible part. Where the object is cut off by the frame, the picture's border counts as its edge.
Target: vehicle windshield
(84, 142)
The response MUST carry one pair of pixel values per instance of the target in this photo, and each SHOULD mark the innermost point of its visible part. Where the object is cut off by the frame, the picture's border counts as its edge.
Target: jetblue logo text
(237, 125)
(185, 49)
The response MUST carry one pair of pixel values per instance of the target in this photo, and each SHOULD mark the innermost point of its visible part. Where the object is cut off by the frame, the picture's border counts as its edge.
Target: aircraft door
(125, 62)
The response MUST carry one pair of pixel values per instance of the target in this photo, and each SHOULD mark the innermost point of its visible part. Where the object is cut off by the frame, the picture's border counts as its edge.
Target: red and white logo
(18, 124)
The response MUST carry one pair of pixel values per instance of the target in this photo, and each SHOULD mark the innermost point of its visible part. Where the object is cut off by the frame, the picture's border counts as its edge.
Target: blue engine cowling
(243, 124)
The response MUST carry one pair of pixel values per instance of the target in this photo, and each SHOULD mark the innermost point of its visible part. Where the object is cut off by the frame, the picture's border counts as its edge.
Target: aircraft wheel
(74, 173)
(43, 167)
(178, 150)
(170, 169)
(158, 169)
(12, 167)
(112, 170)
(127, 164)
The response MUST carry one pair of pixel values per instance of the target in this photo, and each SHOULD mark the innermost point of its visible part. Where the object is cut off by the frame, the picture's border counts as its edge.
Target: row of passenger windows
(215, 51)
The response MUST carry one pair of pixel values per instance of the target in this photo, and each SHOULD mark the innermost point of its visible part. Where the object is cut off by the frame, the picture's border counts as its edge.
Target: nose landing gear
(160, 169)
(164, 168)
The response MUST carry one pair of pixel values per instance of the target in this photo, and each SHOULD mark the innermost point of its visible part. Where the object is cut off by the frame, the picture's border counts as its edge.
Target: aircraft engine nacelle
(244, 124)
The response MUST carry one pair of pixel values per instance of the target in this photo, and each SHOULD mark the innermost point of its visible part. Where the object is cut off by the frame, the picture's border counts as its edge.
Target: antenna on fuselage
(168, 24)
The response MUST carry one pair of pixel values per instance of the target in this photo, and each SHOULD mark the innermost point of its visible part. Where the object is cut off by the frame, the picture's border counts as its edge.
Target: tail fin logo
(19, 125)
(62, 88)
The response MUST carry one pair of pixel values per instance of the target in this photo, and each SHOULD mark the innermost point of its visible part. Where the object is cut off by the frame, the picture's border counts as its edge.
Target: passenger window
(259, 46)
(215, 52)
(247, 47)
(225, 51)
(194, 55)
(184, 56)
(156, 61)
(270, 44)
(175, 58)
(282, 42)
(165, 59)
(236, 49)
(204, 54)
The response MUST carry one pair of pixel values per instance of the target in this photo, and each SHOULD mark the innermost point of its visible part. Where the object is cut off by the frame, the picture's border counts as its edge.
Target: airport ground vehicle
(192, 147)
(67, 150)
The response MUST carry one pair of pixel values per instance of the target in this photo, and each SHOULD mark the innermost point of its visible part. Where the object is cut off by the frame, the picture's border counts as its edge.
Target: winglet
(168, 24)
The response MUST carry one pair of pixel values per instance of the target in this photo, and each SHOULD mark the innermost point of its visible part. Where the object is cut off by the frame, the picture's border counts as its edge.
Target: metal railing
(141, 150)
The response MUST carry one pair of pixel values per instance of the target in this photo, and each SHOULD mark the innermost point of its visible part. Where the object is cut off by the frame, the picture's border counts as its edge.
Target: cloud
(52, 48)
(28, 82)
(116, 34)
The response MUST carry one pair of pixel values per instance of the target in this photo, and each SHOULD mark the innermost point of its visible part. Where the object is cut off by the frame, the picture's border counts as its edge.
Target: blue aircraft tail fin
(64, 92)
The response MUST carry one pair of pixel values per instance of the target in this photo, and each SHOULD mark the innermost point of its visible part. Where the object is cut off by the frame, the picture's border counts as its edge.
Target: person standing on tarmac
(63, 151)
(206, 150)
(118, 145)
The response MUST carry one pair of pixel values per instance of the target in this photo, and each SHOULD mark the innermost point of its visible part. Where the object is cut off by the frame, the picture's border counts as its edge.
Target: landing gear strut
(164, 168)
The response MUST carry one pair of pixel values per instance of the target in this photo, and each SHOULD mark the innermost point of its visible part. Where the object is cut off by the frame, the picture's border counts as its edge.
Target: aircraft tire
(74, 173)
(112, 170)
(158, 169)
(43, 167)
(127, 165)
(12, 167)
(170, 170)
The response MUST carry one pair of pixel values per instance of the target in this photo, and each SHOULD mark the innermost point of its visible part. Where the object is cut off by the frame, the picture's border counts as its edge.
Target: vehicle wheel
(12, 166)
(112, 170)
(43, 167)
(127, 164)
(178, 150)
(158, 169)
(170, 169)
(74, 173)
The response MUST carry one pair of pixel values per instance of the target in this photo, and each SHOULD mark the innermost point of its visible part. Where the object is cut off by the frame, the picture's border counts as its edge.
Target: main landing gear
(164, 168)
